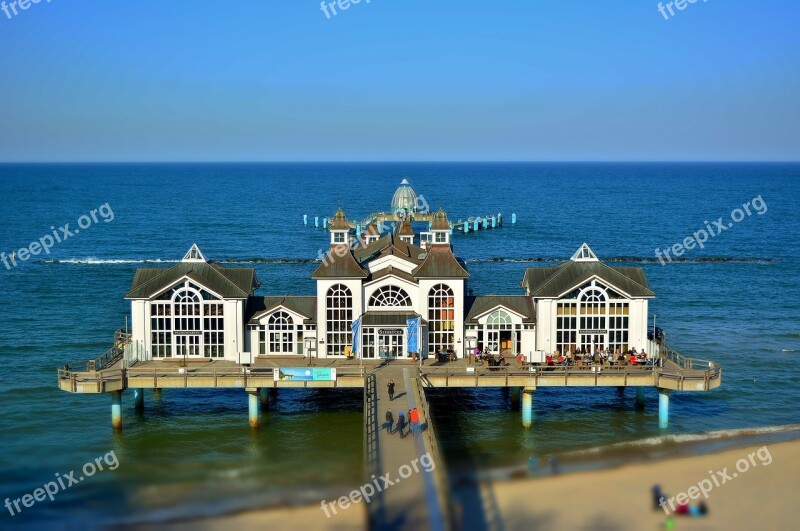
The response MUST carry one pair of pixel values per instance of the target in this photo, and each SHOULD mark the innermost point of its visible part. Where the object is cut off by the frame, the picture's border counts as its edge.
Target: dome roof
(404, 198)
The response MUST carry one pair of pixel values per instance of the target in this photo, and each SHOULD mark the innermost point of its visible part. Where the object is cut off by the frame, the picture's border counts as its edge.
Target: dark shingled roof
(521, 304)
(547, 282)
(440, 221)
(339, 221)
(440, 262)
(305, 306)
(389, 245)
(388, 318)
(406, 229)
(335, 266)
(228, 282)
(391, 271)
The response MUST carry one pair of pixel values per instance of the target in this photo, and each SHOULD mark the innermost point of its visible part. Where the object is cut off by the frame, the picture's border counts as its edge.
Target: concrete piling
(116, 410)
(663, 408)
(527, 407)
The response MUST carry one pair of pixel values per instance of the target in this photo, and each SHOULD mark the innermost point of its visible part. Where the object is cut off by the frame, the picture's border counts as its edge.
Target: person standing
(389, 421)
(390, 386)
(401, 423)
(414, 417)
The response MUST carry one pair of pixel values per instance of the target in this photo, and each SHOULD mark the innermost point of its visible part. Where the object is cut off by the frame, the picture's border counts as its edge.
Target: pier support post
(263, 396)
(527, 406)
(138, 396)
(515, 393)
(116, 410)
(253, 407)
(640, 397)
(663, 408)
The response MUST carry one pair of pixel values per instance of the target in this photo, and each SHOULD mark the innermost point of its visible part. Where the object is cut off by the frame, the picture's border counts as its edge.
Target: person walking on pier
(414, 417)
(390, 386)
(401, 423)
(389, 421)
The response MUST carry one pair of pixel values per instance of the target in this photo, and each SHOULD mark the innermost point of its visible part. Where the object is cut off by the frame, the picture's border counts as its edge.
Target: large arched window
(390, 297)
(339, 316)
(281, 333)
(441, 318)
(187, 321)
(593, 310)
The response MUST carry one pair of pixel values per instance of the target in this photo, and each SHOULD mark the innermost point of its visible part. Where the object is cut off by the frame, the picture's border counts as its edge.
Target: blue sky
(400, 80)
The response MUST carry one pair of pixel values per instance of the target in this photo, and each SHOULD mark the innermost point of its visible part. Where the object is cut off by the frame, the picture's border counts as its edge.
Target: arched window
(339, 316)
(281, 333)
(499, 320)
(593, 310)
(188, 321)
(389, 296)
(441, 318)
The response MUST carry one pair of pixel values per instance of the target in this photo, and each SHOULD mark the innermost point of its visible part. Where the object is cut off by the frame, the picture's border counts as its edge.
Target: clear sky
(399, 80)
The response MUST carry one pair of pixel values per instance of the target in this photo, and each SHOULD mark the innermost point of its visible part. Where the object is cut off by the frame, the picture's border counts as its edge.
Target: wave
(634, 259)
(540, 259)
(100, 261)
(689, 438)
(789, 350)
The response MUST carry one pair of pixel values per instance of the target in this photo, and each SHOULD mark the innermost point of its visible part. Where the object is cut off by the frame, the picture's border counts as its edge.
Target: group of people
(583, 356)
(411, 418)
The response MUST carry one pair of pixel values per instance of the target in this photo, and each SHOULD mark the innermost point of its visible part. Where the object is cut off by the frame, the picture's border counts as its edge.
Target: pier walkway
(413, 501)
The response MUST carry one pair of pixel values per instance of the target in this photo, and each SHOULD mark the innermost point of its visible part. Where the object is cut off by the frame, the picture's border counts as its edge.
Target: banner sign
(305, 374)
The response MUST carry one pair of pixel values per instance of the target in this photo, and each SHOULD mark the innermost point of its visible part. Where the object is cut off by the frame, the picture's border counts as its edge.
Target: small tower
(406, 232)
(584, 254)
(370, 233)
(440, 229)
(340, 229)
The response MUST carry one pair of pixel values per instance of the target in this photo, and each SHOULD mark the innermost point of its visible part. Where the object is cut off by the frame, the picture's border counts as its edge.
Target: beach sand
(760, 498)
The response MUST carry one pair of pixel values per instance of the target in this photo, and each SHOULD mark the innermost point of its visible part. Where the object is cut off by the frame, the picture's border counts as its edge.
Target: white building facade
(402, 298)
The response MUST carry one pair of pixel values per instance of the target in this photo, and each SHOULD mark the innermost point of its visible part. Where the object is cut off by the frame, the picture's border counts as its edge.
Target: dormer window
(338, 237)
(441, 237)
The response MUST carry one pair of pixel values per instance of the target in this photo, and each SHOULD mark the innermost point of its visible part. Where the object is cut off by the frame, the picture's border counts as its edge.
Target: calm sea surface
(193, 452)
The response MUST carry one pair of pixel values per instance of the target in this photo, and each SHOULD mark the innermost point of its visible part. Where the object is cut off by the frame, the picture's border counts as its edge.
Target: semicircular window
(390, 297)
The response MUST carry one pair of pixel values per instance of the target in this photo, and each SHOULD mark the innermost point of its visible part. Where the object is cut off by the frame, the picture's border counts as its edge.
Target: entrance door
(188, 346)
(493, 341)
(390, 345)
(505, 341)
(593, 342)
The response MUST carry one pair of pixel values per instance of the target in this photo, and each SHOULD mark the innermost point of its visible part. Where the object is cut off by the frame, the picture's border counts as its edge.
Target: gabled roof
(406, 229)
(228, 282)
(335, 266)
(440, 262)
(391, 272)
(474, 307)
(389, 245)
(552, 282)
(305, 306)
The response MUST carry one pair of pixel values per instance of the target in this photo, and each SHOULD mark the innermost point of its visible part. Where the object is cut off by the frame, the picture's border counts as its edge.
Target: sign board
(390, 331)
(304, 374)
(592, 331)
(188, 332)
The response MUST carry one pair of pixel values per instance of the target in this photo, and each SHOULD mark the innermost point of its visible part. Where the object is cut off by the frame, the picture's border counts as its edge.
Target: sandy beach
(761, 497)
